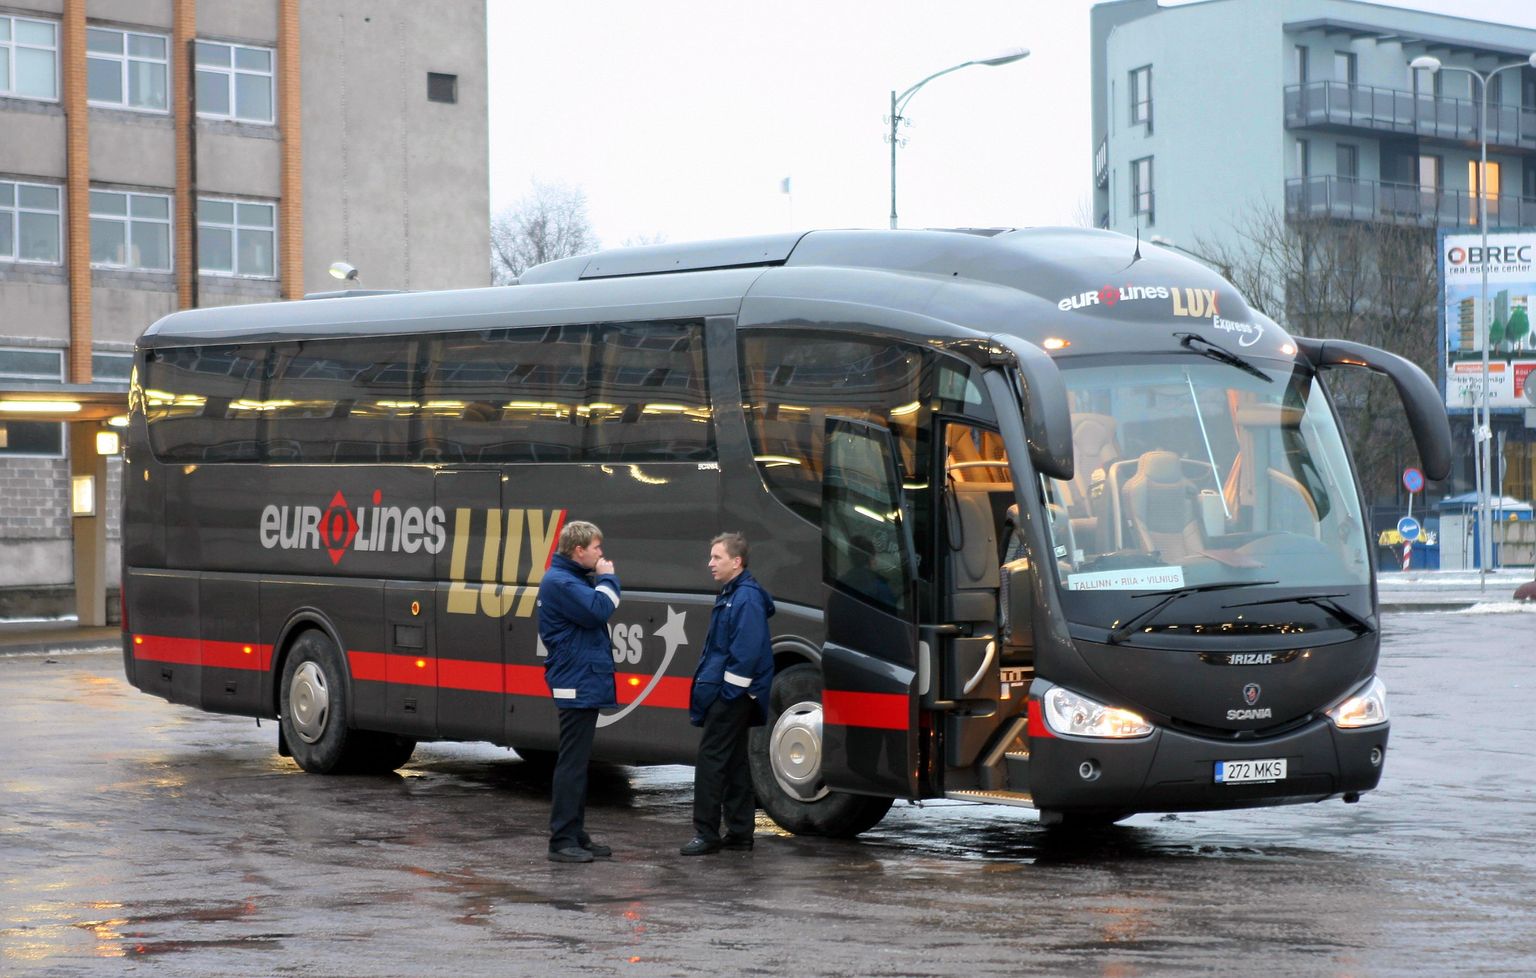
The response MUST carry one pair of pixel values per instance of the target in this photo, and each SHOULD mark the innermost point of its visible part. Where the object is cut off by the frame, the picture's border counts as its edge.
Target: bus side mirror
(1043, 398)
(1421, 400)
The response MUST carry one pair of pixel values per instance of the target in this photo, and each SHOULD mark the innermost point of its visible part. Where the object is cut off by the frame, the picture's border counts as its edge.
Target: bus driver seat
(1158, 503)
(1093, 451)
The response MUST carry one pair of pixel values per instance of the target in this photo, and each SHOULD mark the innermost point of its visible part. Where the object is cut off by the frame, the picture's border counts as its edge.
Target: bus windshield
(1202, 476)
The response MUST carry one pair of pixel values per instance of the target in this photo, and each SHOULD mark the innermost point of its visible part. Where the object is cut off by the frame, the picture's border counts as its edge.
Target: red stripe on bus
(479, 677)
(525, 680)
(164, 648)
(671, 692)
(237, 655)
(1035, 725)
(369, 666)
(882, 711)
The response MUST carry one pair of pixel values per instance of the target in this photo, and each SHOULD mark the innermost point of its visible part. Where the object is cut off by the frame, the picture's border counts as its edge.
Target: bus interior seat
(1094, 450)
(971, 557)
(1159, 507)
(1291, 506)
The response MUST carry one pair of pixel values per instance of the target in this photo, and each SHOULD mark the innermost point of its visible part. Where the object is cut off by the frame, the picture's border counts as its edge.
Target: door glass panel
(864, 543)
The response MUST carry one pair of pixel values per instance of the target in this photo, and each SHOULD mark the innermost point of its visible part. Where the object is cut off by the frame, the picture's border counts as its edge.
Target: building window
(43, 439)
(1495, 91)
(1492, 193)
(1141, 187)
(1345, 67)
(130, 231)
(1141, 96)
(442, 88)
(1346, 161)
(127, 70)
(111, 367)
(1528, 176)
(29, 58)
(236, 237)
(234, 82)
(1431, 177)
(1303, 158)
(29, 222)
(1302, 74)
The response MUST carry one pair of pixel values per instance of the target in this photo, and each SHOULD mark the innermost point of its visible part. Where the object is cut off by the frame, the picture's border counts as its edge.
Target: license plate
(1250, 772)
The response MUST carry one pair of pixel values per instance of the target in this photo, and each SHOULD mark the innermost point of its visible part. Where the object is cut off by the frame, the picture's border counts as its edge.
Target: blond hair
(577, 533)
(735, 545)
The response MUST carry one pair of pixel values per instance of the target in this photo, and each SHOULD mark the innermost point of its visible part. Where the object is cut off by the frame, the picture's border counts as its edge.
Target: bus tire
(376, 753)
(785, 757)
(313, 705)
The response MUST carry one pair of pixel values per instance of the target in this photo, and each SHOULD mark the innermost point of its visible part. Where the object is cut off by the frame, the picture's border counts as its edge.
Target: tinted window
(198, 399)
(793, 381)
(347, 400)
(629, 392)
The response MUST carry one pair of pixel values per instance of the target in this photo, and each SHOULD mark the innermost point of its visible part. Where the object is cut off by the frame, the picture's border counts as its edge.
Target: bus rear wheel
(786, 757)
(314, 715)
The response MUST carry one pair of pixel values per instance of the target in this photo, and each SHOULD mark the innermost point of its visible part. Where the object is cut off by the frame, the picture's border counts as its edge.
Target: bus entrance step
(1016, 798)
(1016, 764)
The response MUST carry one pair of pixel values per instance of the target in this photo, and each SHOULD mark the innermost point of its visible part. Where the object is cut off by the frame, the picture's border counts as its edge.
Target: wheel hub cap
(795, 751)
(309, 702)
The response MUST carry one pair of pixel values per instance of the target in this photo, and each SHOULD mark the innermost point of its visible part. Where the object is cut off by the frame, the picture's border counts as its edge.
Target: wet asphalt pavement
(137, 837)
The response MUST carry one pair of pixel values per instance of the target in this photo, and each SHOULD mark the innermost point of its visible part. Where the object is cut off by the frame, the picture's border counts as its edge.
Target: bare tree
(550, 223)
(1369, 282)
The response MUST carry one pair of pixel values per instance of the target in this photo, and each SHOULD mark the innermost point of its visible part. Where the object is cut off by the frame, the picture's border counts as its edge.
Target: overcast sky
(680, 118)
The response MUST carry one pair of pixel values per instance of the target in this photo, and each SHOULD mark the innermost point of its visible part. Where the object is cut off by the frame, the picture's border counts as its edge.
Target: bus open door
(870, 662)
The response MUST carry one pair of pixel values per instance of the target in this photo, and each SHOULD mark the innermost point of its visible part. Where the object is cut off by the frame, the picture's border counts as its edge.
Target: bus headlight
(1366, 708)
(1074, 715)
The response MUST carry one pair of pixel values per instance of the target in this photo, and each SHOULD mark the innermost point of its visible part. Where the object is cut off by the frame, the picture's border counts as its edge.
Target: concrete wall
(394, 184)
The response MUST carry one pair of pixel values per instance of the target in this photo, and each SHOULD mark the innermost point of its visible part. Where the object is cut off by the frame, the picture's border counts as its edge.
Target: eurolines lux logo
(339, 527)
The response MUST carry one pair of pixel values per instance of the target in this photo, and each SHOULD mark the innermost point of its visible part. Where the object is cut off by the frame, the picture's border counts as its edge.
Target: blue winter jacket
(574, 609)
(738, 653)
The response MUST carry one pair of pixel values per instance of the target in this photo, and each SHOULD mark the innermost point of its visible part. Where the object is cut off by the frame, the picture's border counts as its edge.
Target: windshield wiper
(1218, 352)
(1324, 601)
(1120, 632)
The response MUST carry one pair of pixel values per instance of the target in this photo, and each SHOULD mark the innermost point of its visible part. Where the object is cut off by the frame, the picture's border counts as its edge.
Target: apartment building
(157, 155)
(1206, 112)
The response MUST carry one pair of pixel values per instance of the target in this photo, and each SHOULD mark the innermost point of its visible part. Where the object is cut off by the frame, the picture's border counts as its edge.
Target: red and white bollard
(1407, 553)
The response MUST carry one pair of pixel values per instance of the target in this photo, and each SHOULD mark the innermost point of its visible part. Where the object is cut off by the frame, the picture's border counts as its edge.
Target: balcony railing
(1401, 203)
(1101, 164)
(1330, 103)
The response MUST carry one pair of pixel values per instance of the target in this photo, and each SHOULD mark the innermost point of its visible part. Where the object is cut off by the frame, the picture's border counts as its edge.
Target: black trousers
(722, 782)
(568, 794)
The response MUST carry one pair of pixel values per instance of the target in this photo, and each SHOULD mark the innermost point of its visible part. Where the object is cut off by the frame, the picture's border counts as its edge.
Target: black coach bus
(1049, 521)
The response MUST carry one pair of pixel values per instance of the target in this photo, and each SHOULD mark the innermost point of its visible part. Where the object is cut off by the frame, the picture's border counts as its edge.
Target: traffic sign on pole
(1413, 480)
(1408, 527)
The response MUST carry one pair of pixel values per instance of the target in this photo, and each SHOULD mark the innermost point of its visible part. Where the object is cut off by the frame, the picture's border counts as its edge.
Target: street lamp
(1483, 439)
(899, 104)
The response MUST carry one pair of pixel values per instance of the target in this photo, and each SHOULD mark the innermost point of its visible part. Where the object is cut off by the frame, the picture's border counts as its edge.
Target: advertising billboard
(1511, 263)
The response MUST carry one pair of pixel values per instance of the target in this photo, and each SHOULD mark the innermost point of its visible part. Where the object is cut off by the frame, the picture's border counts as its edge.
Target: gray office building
(157, 155)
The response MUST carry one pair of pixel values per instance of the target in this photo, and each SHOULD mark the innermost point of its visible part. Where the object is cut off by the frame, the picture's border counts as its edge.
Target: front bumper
(1173, 771)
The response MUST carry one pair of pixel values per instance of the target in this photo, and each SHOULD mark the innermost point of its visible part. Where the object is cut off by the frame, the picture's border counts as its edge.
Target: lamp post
(1483, 439)
(899, 104)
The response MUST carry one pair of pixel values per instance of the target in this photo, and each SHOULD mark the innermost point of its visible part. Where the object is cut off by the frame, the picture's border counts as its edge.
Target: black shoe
(700, 847)
(737, 843)
(597, 849)
(573, 854)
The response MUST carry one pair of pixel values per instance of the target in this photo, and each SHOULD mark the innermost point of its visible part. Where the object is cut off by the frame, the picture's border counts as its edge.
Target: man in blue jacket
(729, 696)
(577, 596)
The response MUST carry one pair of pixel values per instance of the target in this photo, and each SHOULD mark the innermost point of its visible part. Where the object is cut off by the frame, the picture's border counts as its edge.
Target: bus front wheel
(786, 758)
(314, 715)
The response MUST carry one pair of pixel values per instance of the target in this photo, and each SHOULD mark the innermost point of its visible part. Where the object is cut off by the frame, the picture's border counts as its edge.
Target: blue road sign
(1409, 528)
(1413, 480)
